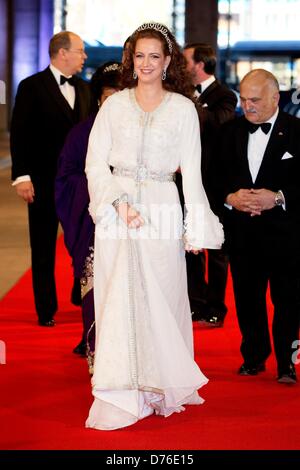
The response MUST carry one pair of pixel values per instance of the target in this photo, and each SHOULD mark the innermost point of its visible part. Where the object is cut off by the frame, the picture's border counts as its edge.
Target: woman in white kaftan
(144, 359)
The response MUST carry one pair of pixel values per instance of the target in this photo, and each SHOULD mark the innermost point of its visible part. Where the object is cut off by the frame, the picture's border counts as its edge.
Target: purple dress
(72, 201)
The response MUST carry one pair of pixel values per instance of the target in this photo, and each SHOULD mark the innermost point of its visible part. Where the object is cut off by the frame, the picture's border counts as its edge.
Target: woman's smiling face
(149, 60)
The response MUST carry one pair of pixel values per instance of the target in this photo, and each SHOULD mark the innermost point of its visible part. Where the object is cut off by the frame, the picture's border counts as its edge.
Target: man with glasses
(258, 194)
(48, 104)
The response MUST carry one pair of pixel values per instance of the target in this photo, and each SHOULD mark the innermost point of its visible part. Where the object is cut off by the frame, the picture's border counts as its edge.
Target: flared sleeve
(202, 228)
(102, 186)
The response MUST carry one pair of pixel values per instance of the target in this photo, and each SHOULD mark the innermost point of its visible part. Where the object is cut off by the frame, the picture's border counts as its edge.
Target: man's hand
(244, 200)
(264, 198)
(253, 201)
(130, 216)
(26, 191)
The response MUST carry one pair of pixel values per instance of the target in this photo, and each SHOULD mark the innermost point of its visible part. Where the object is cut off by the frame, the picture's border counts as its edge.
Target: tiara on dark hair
(111, 68)
(160, 28)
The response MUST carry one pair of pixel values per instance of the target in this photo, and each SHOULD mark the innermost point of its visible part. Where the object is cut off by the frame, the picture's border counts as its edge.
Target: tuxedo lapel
(53, 88)
(207, 92)
(274, 149)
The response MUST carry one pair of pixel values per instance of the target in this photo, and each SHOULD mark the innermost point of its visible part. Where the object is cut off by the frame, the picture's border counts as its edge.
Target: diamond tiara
(161, 29)
(111, 68)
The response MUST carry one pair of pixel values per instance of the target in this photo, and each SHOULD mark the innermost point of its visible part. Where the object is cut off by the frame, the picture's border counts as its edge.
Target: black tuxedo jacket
(215, 106)
(279, 170)
(40, 122)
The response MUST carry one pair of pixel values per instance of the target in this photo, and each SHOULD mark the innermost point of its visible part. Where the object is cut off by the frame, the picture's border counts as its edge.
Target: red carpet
(45, 389)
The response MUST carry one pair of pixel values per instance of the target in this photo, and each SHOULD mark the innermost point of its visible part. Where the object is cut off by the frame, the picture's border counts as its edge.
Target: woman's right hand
(130, 216)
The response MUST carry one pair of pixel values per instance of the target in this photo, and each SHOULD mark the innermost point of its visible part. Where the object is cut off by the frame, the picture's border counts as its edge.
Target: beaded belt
(142, 173)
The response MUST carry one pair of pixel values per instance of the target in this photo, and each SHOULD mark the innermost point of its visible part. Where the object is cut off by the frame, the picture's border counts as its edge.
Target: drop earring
(134, 75)
(164, 74)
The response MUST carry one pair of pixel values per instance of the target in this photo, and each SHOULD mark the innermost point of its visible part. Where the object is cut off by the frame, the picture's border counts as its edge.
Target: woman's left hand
(190, 249)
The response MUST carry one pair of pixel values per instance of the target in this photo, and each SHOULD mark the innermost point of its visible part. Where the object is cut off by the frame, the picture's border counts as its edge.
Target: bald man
(259, 193)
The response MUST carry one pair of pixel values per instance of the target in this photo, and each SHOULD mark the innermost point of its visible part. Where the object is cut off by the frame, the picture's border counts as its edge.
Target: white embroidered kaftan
(144, 344)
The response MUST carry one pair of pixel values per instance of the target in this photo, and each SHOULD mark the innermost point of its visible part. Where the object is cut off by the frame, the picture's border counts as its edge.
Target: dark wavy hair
(107, 75)
(177, 79)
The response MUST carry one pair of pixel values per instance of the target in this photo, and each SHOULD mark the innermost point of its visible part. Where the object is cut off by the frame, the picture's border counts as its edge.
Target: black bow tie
(64, 79)
(265, 127)
(198, 88)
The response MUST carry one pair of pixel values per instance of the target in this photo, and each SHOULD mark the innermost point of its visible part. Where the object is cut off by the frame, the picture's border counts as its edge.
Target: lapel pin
(280, 133)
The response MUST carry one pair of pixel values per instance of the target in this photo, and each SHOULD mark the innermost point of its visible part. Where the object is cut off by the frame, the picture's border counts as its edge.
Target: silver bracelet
(122, 199)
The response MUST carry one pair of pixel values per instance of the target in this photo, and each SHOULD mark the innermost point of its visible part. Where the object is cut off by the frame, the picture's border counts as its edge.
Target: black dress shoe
(80, 349)
(47, 322)
(214, 321)
(287, 376)
(251, 370)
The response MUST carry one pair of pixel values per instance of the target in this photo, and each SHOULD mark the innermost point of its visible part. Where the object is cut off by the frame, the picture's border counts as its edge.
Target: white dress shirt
(257, 144)
(68, 92)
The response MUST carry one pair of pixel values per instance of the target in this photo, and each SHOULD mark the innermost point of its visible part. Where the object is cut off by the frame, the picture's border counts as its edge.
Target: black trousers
(253, 267)
(43, 226)
(207, 298)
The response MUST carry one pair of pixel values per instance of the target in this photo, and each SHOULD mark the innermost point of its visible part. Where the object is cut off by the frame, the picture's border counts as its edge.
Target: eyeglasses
(78, 51)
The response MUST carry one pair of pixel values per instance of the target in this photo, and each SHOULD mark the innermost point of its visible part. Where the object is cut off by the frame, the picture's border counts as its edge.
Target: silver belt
(142, 173)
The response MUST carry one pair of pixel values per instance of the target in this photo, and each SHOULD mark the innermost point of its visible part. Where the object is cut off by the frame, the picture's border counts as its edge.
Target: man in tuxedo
(47, 106)
(216, 105)
(259, 194)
